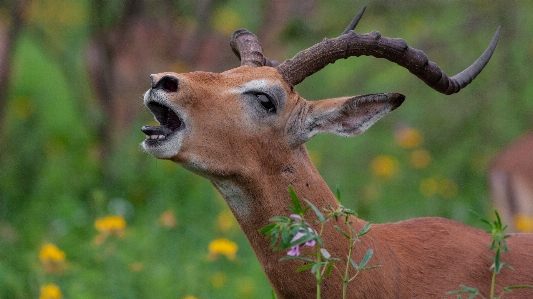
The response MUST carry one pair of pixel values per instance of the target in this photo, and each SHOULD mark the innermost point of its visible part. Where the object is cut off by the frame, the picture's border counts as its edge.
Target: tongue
(156, 130)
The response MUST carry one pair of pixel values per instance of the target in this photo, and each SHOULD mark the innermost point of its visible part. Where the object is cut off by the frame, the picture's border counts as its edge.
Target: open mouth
(168, 119)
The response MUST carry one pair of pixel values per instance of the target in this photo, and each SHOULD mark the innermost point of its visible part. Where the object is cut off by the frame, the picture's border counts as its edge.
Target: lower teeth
(155, 137)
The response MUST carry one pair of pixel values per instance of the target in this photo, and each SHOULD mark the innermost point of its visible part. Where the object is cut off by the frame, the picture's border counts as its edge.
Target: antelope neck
(257, 198)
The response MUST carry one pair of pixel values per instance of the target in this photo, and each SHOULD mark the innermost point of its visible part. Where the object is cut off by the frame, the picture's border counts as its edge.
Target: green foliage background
(53, 184)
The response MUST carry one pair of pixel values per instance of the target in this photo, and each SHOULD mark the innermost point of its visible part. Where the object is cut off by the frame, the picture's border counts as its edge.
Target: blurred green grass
(54, 183)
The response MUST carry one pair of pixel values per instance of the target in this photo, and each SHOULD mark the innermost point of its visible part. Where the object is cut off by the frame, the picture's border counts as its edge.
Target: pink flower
(295, 250)
(295, 217)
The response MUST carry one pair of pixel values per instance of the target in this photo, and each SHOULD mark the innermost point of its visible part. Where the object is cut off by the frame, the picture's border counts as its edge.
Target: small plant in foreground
(294, 232)
(499, 246)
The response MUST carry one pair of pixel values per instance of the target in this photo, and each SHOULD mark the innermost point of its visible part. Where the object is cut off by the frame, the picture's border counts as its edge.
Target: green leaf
(508, 266)
(273, 294)
(301, 258)
(354, 264)
(504, 228)
(338, 193)
(363, 231)
(510, 288)
(297, 207)
(348, 211)
(319, 214)
(325, 253)
(498, 220)
(341, 231)
(274, 241)
(279, 219)
(304, 267)
(328, 269)
(267, 228)
(465, 289)
(315, 268)
(366, 258)
(371, 267)
(285, 239)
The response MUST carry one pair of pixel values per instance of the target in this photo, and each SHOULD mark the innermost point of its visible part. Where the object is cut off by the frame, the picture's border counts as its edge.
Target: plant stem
(346, 278)
(318, 272)
(493, 283)
(497, 265)
(318, 296)
(319, 260)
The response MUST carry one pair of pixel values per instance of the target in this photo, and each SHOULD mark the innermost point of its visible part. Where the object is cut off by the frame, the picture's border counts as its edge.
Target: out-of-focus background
(86, 214)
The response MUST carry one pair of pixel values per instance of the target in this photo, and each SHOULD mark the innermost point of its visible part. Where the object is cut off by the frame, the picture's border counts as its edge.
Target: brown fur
(253, 159)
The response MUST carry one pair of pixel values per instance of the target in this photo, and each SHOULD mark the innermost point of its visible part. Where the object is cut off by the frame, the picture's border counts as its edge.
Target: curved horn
(313, 59)
(249, 50)
(355, 21)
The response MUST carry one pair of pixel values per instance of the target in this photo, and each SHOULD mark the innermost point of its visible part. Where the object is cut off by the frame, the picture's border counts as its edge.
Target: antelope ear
(349, 116)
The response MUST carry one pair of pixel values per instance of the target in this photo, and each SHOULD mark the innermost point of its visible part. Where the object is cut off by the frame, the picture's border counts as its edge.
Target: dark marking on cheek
(288, 169)
(307, 184)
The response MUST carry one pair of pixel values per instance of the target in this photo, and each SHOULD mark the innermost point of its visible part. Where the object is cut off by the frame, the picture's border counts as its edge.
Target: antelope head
(238, 121)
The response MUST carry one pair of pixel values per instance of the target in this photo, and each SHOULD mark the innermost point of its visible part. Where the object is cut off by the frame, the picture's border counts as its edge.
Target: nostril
(167, 83)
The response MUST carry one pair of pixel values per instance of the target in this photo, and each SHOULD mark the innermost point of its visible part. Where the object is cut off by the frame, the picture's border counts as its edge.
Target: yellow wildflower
(52, 258)
(384, 166)
(408, 137)
(110, 225)
(168, 219)
(523, 223)
(50, 252)
(420, 158)
(50, 291)
(222, 246)
(189, 297)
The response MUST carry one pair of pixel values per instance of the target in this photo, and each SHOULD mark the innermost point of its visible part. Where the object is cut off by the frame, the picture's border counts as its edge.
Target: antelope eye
(266, 102)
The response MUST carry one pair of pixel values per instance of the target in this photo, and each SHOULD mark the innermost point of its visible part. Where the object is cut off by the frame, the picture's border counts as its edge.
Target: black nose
(168, 83)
